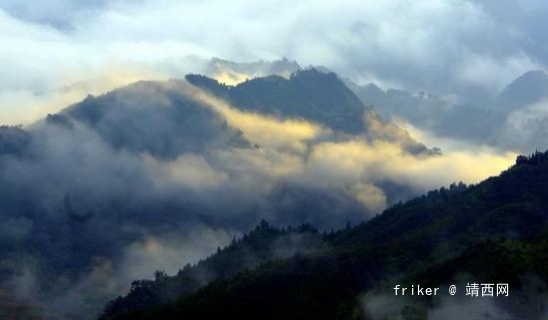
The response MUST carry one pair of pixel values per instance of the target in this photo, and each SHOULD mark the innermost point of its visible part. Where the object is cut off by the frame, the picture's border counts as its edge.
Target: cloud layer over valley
(158, 174)
(124, 166)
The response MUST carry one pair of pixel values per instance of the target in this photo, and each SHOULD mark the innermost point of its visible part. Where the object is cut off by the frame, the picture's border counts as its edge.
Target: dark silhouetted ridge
(495, 231)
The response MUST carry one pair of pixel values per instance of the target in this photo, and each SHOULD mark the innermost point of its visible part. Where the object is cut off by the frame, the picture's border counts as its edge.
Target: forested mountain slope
(493, 231)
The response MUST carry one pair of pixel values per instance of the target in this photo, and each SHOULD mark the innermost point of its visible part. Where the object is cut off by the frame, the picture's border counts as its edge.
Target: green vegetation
(495, 231)
(308, 94)
(263, 244)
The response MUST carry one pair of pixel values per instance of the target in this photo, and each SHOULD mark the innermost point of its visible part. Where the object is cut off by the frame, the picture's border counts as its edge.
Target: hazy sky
(52, 52)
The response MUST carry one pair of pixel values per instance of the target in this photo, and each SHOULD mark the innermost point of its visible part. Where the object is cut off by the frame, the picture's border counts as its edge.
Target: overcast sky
(49, 48)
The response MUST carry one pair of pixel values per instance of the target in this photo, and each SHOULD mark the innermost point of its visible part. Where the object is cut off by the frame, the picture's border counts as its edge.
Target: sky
(54, 52)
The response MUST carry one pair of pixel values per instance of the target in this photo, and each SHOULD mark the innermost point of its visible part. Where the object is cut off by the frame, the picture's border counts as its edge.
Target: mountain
(529, 88)
(473, 121)
(405, 104)
(498, 120)
(308, 94)
(13, 140)
(160, 118)
(263, 244)
(160, 173)
(313, 95)
(493, 232)
(154, 117)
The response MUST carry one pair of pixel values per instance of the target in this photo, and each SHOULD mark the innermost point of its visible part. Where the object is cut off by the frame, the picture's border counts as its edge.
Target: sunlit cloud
(358, 166)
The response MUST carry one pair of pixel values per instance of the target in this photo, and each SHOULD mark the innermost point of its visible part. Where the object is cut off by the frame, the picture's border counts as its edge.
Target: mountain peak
(229, 70)
(309, 93)
(529, 88)
(153, 117)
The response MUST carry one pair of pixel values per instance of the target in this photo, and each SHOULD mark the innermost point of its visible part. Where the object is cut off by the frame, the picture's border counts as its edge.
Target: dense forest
(493, 232)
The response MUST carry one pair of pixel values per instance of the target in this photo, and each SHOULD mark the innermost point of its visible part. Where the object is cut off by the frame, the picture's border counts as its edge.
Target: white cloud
(526, 128)
(444, 45)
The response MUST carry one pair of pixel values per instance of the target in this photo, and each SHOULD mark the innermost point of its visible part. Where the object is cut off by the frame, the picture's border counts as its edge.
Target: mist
(113, 204)
(160, 173)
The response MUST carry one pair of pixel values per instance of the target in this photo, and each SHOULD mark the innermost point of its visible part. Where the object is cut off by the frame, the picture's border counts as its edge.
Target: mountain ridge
(426, 232)
(308, 93)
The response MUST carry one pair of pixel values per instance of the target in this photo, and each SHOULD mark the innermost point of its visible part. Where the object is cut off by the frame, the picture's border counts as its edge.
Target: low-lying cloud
(383, 306)
(525, 128)
(131, 208)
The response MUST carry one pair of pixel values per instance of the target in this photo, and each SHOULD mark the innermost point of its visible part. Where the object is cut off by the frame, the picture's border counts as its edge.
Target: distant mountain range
(310, 94)
(529, 88)
(488, 121)
(153, 117)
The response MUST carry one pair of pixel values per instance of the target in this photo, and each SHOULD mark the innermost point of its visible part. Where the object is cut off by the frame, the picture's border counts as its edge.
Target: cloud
(160, 208)
(477, 309)
(302, 150)
(354, 161)
(266, 131)
(525, 129)
(371, 196)
(158, 212)
(108, 277)
(171, 251)
(419, 45)
(378, 306)
(189, 170)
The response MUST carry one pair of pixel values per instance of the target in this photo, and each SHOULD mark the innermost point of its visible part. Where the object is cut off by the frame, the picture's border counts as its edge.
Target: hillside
(308, 94)
(263, 244)
(158, 173)
(159, 118)
(493, 231)
(527, 89)
(312, 95)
